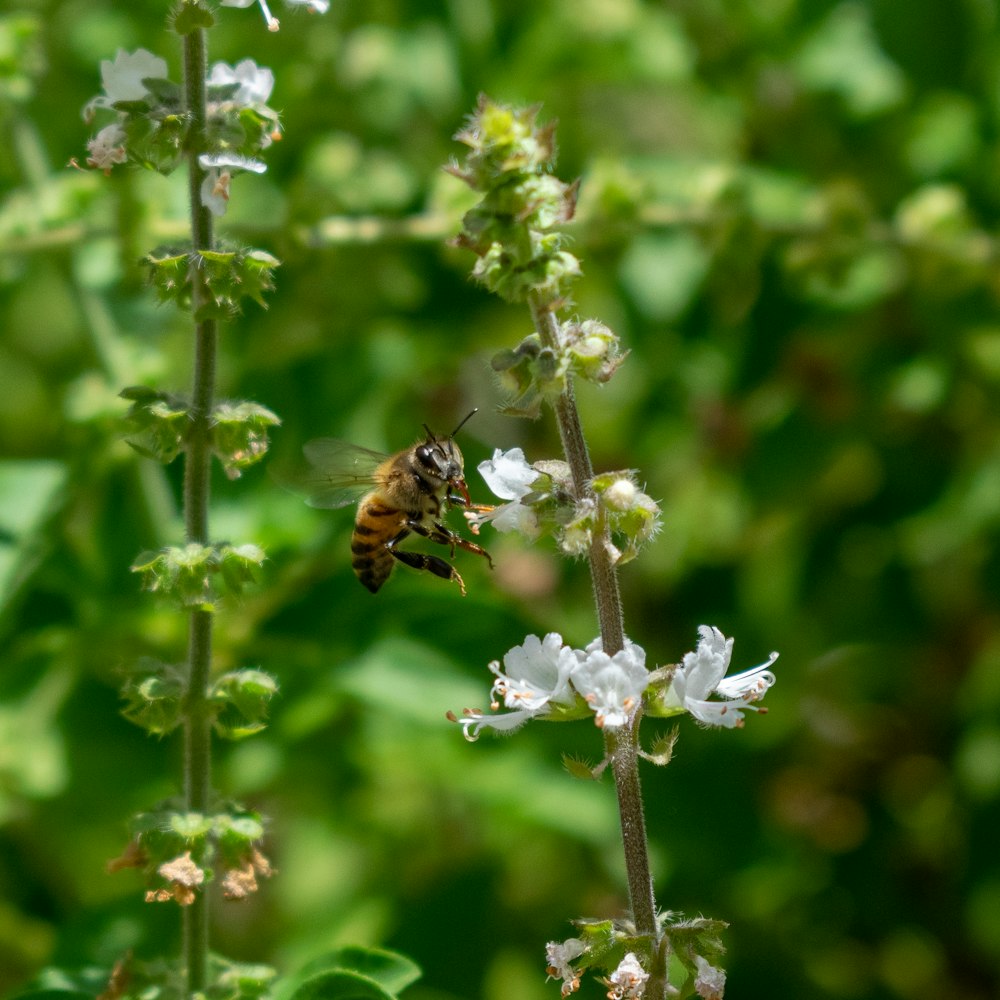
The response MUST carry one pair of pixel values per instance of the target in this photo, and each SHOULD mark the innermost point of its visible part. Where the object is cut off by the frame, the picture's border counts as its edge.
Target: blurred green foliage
(787, 212)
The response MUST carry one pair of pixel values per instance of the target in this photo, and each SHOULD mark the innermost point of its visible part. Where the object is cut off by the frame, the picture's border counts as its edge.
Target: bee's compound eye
(432, 460)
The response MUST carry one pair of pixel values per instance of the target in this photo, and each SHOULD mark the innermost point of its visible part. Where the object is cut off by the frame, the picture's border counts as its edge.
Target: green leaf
(340, 985)
(29, 492)
(54, 994)
(355, 972)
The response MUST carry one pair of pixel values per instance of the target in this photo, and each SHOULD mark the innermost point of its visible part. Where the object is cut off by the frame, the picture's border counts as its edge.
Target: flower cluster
(546, 678)
(540, 499)
(150, 125)
(533, 373)
(614, 947)
(513, 230)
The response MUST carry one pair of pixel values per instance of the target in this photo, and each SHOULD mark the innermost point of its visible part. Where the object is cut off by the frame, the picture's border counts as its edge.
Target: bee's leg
(422, 561)
(443, 535)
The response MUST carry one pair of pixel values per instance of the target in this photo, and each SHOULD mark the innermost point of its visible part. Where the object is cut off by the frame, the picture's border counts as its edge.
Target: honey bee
(397, 495)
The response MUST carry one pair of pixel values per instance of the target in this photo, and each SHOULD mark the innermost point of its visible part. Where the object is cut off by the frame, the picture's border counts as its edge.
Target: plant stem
(197, 728)
(621, 744)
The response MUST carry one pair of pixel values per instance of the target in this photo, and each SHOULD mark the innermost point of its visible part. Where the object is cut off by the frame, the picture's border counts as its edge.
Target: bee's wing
(340, 473)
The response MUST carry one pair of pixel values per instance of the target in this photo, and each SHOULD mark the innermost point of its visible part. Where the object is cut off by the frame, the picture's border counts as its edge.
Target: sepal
(184, 572)
(191, 16)
(153, 697)
(229, 276)
(240, 434)
(156, 422)
(241, 699)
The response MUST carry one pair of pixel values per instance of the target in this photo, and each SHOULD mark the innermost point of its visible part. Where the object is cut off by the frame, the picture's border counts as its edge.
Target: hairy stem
(621, 744)
(197, 728)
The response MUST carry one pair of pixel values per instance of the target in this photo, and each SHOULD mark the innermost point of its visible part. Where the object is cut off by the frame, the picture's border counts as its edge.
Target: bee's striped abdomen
(376, 525)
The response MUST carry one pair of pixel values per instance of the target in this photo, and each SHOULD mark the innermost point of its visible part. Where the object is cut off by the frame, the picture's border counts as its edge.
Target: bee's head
(441, 458)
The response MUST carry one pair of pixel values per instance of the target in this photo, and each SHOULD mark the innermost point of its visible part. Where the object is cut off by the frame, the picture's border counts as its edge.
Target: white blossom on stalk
(122, 78)
(611, 685)
(535, 675)
(107, 148)
(710, 983)
(628, 981)
(559, 958)
(509, 477)
(703, 673)
(220, 168)
(255, 82)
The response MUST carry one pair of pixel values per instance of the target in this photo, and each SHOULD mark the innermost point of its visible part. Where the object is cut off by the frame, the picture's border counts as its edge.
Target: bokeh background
(787, 213)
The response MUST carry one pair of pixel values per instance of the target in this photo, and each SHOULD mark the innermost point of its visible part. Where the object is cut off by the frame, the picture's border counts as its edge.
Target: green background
(787, 214)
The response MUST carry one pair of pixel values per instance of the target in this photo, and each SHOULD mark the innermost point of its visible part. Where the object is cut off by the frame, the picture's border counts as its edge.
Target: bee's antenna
(464, 422)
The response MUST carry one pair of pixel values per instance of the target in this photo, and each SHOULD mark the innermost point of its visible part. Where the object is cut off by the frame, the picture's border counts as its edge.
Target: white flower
(611, 685)
(559, 958)
(703, 673)
(122, 78)
(107, 148)
(255, 82)
(510, 477)
(231, 161)
(537, 674)
(710, 983)
(628, 980)
(220, 167)
(313, 6)
(474, 721)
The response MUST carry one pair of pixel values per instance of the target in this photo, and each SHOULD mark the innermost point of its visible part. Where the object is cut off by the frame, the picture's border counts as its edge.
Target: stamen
(269, 19)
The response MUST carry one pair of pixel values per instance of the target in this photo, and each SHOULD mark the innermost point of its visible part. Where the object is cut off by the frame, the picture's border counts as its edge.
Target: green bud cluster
(602, 944)
(632, 515)
(533, 373)
(158, 425)
(228, 276)
(184, 572)
(513, 229)
(612, 500)
(239, 700)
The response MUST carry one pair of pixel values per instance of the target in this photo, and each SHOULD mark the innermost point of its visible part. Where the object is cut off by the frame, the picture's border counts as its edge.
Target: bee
(397, 495)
